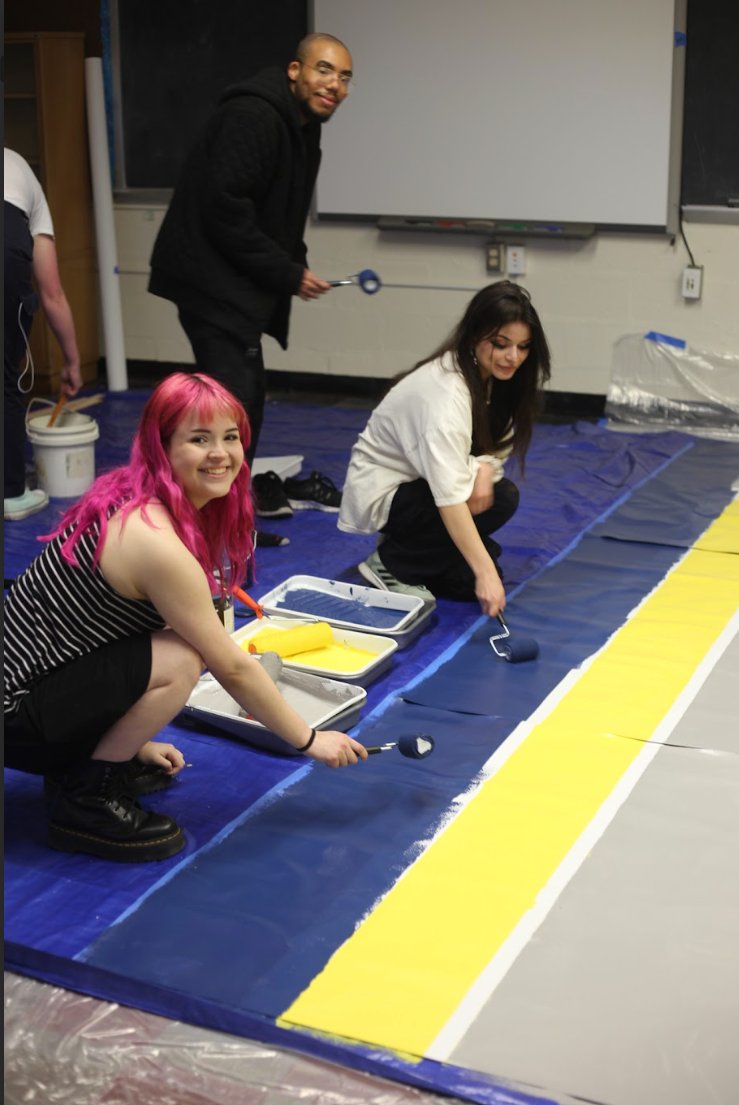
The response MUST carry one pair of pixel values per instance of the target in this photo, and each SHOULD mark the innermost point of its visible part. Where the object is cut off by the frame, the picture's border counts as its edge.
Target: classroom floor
(544, 912)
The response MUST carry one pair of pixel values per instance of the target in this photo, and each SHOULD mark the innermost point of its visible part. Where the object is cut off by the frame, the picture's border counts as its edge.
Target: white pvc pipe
(102, 195)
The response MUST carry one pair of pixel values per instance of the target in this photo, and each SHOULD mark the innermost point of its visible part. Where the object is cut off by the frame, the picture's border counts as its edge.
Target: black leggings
(235, 362)
(416, 546)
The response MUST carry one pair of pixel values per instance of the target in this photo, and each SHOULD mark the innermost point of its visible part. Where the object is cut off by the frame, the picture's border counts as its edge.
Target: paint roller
(514, 650)
(416, 746)
(290, 642)
(367, 280)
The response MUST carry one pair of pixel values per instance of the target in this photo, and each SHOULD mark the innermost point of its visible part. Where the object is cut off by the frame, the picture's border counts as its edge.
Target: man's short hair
(305, 44)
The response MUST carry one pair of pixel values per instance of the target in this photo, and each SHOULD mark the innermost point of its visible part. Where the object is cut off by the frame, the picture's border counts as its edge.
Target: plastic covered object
(657, 380)
(62, 1048)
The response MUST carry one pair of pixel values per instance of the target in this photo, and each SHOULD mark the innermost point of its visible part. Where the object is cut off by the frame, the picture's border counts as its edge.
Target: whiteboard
(520, 109)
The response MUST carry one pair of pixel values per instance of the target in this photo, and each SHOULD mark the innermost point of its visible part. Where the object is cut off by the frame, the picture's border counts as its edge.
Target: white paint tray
(382, 612)
(322, 703)
(382, 649)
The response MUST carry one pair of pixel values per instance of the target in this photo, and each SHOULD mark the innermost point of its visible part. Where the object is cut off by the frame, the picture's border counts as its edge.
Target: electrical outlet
(516, 260)
(692, 282)
(495, 254)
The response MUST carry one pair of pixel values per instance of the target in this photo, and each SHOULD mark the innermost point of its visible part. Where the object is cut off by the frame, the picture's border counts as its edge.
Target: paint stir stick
(57, 410)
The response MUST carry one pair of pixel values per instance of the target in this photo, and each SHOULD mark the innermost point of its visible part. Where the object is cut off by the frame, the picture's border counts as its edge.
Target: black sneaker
(270, 500)
(317, 492)
(266, 540)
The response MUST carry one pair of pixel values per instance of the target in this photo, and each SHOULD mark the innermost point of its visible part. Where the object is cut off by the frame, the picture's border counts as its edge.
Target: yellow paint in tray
(312, 645)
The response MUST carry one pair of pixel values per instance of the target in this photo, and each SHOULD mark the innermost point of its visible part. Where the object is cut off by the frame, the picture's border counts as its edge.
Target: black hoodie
(230, 249)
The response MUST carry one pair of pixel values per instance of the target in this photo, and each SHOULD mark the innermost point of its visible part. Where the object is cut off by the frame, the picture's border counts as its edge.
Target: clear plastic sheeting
(657, 380)
(65, 1049)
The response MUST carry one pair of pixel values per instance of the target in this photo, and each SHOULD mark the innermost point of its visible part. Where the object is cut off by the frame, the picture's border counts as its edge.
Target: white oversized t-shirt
(421, 429)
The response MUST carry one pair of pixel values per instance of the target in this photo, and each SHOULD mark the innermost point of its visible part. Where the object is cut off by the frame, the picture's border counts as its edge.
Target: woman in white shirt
(426, 473)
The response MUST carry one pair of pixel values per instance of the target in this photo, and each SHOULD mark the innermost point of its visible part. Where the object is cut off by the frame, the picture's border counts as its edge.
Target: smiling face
(206, 456)
(501, 355)
(320, 80)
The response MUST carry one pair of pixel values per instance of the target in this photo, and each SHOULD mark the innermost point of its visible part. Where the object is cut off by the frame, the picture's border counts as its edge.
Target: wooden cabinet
(45, 122)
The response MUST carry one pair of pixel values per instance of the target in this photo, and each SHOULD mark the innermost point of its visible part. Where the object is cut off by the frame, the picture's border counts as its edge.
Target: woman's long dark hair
(513, 404)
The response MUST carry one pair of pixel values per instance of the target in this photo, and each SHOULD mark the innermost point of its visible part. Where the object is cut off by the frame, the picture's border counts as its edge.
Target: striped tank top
(56, 612)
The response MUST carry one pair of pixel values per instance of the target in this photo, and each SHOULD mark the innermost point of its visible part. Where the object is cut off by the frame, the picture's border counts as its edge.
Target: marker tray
(382, 649)
(322, 703)
(348, 605)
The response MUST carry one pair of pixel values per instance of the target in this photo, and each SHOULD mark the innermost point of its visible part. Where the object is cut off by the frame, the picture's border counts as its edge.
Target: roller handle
(415, 746)
(249, 601)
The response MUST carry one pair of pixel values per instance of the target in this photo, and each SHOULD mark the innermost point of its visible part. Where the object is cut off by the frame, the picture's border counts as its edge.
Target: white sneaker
(375, 572)
(21, 506)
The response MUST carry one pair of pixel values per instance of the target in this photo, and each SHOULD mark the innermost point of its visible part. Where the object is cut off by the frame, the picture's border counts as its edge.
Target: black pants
(20, 303)
(234, 362)
(417, 548)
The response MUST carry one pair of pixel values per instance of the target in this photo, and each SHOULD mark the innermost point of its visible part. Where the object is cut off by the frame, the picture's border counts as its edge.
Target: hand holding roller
(367, 279)
(416, 746)
(510, 649)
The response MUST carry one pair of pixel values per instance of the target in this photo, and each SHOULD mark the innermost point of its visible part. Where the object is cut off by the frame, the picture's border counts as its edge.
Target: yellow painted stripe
(396, 982)
(723, 535)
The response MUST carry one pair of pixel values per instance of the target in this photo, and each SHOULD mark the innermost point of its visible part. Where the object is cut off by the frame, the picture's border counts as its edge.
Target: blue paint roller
(415, 746)
(367, 279)
(514, 650)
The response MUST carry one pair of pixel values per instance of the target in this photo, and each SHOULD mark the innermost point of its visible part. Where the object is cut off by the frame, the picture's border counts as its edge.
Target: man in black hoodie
(230, 251)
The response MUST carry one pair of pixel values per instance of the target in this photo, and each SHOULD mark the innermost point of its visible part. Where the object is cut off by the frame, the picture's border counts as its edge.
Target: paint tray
(322, 703)
(347, 605)
(381, 648)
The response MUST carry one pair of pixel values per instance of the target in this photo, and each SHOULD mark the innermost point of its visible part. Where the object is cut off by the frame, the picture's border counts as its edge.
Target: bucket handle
(37, 399)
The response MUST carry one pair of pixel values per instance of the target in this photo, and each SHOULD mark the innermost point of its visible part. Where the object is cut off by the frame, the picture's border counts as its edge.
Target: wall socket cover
(494, 258)
(692, 282)
(516, 260)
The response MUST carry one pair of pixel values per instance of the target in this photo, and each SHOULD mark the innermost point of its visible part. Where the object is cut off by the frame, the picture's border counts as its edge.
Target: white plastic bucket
(64, 453)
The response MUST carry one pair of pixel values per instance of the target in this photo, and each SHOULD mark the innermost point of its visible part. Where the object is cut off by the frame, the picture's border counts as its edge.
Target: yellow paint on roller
(396, 982)
(312, 645)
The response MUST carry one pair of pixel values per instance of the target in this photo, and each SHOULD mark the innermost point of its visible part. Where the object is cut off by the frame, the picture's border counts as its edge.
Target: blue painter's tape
(680, 38)
(665, 339)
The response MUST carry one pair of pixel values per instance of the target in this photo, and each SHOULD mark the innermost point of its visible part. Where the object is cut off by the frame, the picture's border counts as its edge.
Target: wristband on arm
(308, 743)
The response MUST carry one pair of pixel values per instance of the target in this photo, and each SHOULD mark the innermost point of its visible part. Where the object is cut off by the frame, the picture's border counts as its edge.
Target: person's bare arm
(143, 562)
(488, 587)
(57, 310)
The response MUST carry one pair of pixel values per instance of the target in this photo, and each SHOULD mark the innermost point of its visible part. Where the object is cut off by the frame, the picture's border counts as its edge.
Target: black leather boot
(138, 781)
(90, 810)
(142, 779)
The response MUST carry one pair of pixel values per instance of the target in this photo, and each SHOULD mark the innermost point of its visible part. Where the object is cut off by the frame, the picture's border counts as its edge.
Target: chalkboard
(176, 57)
(710, 154)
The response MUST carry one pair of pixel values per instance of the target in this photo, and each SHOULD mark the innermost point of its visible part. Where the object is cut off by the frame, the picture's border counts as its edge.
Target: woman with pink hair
(109, 628)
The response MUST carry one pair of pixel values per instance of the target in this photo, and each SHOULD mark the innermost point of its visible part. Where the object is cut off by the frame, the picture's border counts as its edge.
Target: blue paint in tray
(333, 608)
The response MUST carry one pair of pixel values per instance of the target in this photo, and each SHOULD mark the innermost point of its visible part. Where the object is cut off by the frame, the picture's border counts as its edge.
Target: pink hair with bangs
(220, 534)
